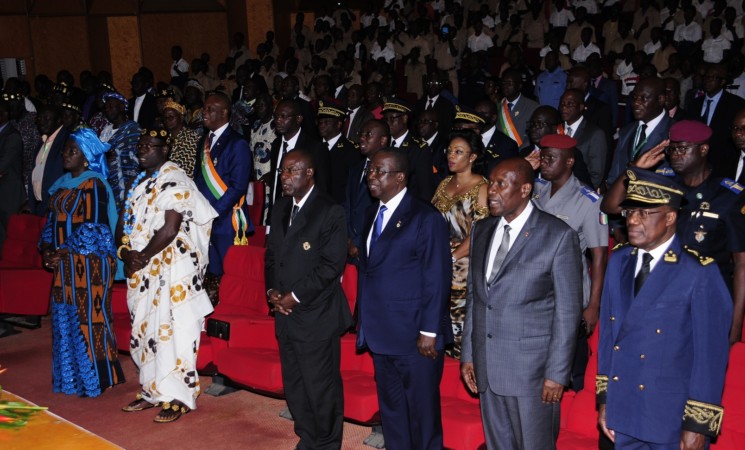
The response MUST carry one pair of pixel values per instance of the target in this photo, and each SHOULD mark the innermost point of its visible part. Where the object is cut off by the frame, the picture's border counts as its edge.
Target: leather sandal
(138, 404)
(171, 412)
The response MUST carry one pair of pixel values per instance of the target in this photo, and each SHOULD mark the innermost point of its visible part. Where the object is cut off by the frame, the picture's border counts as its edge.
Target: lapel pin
(517, 113)
(398, 224)
(306, 246)
(214, 161)
(527, 233)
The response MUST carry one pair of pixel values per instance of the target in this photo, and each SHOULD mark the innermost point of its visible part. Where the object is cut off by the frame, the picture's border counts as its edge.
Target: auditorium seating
(461, 414)
(24, 284)
(732, 436)
(358, 377)
(120, 311)
(256, 206)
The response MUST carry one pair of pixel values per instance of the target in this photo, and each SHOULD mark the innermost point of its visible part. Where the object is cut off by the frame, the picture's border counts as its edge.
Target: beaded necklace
(129, 217)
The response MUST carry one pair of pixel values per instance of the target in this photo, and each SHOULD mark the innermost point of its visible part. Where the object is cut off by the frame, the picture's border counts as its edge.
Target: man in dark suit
(373, 137)
(650, 126)
(12, 190)
(404, 285)
(358, 114)
(342, 154)
(591, 141)
(143, 106)
(427, 127)
(497, 146)
(47, 161)
(664, 322)
(288, 122)
(597, 110)
(672, 100)
(340, 91)
(421, 181)
(432, 100)
(222, 173)
(523, 305)
(516, 108)
(291, 91)
(716, 109)
(738, 138)
(305, 258)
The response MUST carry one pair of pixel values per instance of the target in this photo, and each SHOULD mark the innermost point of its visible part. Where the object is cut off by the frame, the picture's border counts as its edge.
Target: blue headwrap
(93, 149)
(116, 96)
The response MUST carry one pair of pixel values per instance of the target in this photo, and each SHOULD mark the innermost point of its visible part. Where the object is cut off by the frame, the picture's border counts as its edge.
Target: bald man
(523, 305)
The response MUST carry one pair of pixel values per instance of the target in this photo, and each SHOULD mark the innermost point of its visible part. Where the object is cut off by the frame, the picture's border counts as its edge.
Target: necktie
(504, 247)
(394, 143)
(293, 213)
(641, 139)
(705, 115)
(284, 146)
(510, 105)
(741, 169)
(429, 104)
(210, 138)
(364, 171)
(643, 274)
(569, 131)
(378, 226)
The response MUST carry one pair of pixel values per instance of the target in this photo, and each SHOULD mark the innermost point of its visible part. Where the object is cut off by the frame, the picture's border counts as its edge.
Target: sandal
(138, 404)
(171, 412)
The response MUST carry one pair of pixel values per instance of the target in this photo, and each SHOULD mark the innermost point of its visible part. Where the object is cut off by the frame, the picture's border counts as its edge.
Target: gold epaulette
(703, 418)
(420, 142)
(704, 260)
(619, 245)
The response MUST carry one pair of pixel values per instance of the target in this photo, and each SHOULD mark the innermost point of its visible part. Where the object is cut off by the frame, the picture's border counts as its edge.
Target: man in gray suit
(358, 114)
(522, 309)
(515, 109)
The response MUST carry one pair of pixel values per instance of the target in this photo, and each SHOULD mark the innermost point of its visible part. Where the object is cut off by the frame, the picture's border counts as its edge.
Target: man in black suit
(672, 100)
(428, 129)
(343, 155)
(340, 91)
(47, 161)
(421, 181)
(497, 145)
(591, 141)
(143, 107)
(288, 121)
(358, 114)
(305, 257)
(373, 137)
(432, 100)
(291, 91)
(716, 109)
(597, 111)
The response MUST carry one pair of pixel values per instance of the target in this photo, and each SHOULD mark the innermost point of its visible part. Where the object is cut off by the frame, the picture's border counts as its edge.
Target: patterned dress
(166, 299)
(123, 163)
(84, 358)
(184, 150)
(460, 212)
(262, 136)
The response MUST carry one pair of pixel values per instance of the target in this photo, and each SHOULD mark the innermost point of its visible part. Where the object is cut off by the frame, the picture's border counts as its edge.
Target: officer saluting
(712, 223)
(664, 321)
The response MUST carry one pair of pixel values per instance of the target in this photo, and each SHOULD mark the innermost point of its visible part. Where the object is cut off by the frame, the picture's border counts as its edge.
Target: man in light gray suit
(522, 309)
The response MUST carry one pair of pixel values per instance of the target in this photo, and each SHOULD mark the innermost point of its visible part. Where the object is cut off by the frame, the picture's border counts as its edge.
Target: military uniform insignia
(306, 246)
(670, 257)
(517, 113)
(603, 218)
(214, 161)
(619, 245)
(705, 206)
(699, 235)
(732, 185)
(398, 224)
(631, 175)
(589, 193)
(665, 171)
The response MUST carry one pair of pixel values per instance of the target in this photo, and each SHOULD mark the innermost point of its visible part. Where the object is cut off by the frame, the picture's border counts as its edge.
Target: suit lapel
(302, 216)
(481, 253)
(398, 220)
(525, 234)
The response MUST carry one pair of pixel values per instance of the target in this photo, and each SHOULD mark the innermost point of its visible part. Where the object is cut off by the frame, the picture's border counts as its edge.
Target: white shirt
(386, 53)
(651, 47)
(656, 253)
(740, 165)
(138, 105)
(582, 52)
(486, 135)
(563, 49)
(738, 86)
(574, 126)
(590, 5)
(331, 142)
(714, 102)
(714, 48)
(218, 132)
(690, 32)
(561, 18)
(352, 113)
(431, 99)
(290, 145)
(397, 142)
(479, 43)
(516, 227)
(181, 65)
(432, 139)
(652, 124)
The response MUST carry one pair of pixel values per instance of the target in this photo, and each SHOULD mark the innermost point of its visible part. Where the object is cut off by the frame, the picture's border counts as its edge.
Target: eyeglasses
(679, 149)
(290, 170)
(149, 146)
(380, 173)
(643, 214)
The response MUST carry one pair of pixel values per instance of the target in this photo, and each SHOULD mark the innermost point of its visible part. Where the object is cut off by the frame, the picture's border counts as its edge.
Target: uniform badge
(670, 257)
(603, 219)
(699, 196)
(705, 206)
(306, 246)
(398, 224)
(699, 235)
(517, 113)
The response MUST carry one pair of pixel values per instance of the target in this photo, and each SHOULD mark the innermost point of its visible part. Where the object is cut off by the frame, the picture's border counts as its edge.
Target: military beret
(561, 141)
(690, 131)
(395, 105)
(647, 189)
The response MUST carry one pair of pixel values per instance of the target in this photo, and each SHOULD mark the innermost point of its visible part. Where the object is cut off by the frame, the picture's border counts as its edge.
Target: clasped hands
(281, 303)
(50, 258)
(134, 261)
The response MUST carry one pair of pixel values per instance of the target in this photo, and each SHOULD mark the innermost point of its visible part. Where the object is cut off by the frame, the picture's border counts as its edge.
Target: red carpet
(241, 420)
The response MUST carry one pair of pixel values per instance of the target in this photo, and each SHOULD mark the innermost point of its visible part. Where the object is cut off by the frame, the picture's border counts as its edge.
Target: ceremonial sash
(218, 188)
(507, 125)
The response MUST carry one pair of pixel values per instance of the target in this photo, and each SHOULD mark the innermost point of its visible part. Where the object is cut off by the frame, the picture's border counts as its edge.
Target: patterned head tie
(93, 149)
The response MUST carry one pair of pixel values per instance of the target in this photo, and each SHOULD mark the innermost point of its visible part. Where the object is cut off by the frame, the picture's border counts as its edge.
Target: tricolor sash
(508, 127)
(218, 188)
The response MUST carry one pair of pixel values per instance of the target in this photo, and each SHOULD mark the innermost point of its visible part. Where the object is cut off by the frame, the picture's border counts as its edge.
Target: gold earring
(85, 164)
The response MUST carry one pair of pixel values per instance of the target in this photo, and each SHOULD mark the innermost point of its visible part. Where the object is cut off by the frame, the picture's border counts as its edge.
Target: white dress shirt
(138, 105)
(656, 256)
(516, 227)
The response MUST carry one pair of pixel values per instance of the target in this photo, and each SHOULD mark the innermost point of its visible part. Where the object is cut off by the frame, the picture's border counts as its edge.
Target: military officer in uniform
(712, 223)
(343, 154)
(422, 181)
(664, 319)
(560, 193)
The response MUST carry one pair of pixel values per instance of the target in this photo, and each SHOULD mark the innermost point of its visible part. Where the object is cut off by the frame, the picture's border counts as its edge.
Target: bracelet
(119, 250)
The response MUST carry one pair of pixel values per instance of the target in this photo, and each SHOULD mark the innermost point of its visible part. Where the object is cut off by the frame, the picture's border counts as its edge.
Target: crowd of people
(472, 158)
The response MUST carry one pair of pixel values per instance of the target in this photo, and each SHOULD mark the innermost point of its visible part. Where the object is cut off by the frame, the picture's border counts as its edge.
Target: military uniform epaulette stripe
(666, 171)
(703, 260)
(541, 180)
(732, 185)
(619, 245)
(589, 193)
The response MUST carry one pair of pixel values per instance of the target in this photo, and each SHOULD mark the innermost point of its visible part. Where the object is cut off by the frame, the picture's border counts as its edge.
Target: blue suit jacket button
(489, 336)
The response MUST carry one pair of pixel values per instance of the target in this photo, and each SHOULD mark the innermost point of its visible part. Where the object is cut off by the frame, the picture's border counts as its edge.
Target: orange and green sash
(218, 188)
(508, 127)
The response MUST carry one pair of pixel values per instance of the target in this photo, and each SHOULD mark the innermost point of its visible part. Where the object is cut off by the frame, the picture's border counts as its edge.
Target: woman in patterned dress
(164, 235)
(461, 198)
(185, 140)
(78, 245)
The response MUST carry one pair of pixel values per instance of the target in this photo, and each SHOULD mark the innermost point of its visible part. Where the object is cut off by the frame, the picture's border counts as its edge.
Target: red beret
(558, 141)
(690, 131)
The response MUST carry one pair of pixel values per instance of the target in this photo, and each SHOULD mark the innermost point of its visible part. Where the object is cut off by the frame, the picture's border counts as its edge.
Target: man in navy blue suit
(222, 176)
(404, 286)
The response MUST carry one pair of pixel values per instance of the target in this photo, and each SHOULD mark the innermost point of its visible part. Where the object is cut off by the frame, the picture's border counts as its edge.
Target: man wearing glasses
(711, 222)
(404, 287)
(664, 321)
